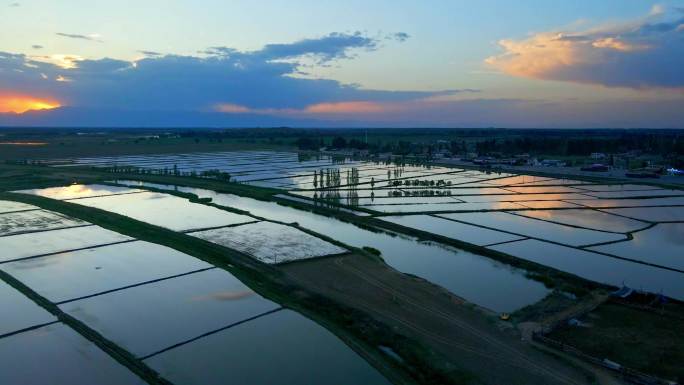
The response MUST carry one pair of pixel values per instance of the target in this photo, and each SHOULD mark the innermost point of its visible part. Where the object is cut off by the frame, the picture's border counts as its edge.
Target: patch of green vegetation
(65, 143)
(642, 340)
(548, 306)
(27, 177)
(372, 250)
(548, 282)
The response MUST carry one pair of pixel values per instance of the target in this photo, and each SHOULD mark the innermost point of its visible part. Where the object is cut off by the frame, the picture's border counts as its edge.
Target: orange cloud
(613, 43)
(334, 108)
(18, 104)
(358, 107)
(644, 53)
(537, 56)
(232, 108)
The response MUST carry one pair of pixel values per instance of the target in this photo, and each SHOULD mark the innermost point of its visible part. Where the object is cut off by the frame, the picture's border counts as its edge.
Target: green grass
(110, 144)
(549, 305)
(641, 340)
(372, 250)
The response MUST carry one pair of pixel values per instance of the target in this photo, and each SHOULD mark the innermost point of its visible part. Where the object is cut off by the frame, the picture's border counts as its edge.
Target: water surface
(654, 214)
(65, 276)
(536, 228)
(35, 220)
(597, 267)
(152, 317)
(662, 245)
(270, 242)
(55, 354)
(45, 242)
(165, 210)
(450, 229)
(279, 348)
(465, 274)
(588, 218)
(10, 206)
(76, 191)
(18, 312)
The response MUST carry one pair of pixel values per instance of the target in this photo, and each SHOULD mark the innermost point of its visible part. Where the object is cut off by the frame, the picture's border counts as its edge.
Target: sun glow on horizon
(19, 104)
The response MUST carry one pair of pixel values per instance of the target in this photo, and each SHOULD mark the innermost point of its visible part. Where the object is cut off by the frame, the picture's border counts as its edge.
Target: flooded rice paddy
(34, 244)
(452, 229)
(8, 207)
(178, 314)
(271, 339)
(69, 275)
(603, 229)
(662, 245)
(463, 273)
(164, 210)
(149, 318)
(55, 354)
(77, 191)
(35, 220)
(534, 228)
(652, 214)
(597, 267)
(19, 312)
(270, 242)
(165, 307)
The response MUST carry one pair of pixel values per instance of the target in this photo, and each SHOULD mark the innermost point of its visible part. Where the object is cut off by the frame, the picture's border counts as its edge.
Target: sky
(457, 63)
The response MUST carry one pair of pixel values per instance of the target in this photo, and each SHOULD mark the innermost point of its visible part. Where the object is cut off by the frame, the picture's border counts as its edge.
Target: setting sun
(21, 103)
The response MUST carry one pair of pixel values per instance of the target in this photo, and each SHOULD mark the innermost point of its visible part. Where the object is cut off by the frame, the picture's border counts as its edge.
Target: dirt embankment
(471, 345)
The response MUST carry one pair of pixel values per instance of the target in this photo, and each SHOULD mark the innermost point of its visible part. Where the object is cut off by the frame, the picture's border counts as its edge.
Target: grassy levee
(640, 339)
(361, 332)
(19, 177)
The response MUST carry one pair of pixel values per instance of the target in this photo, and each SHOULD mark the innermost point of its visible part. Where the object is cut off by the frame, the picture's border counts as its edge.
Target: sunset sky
(609, 63)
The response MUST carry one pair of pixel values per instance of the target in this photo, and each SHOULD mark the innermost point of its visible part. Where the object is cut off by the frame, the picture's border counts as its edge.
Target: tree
(306, 143)
(339, 142)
